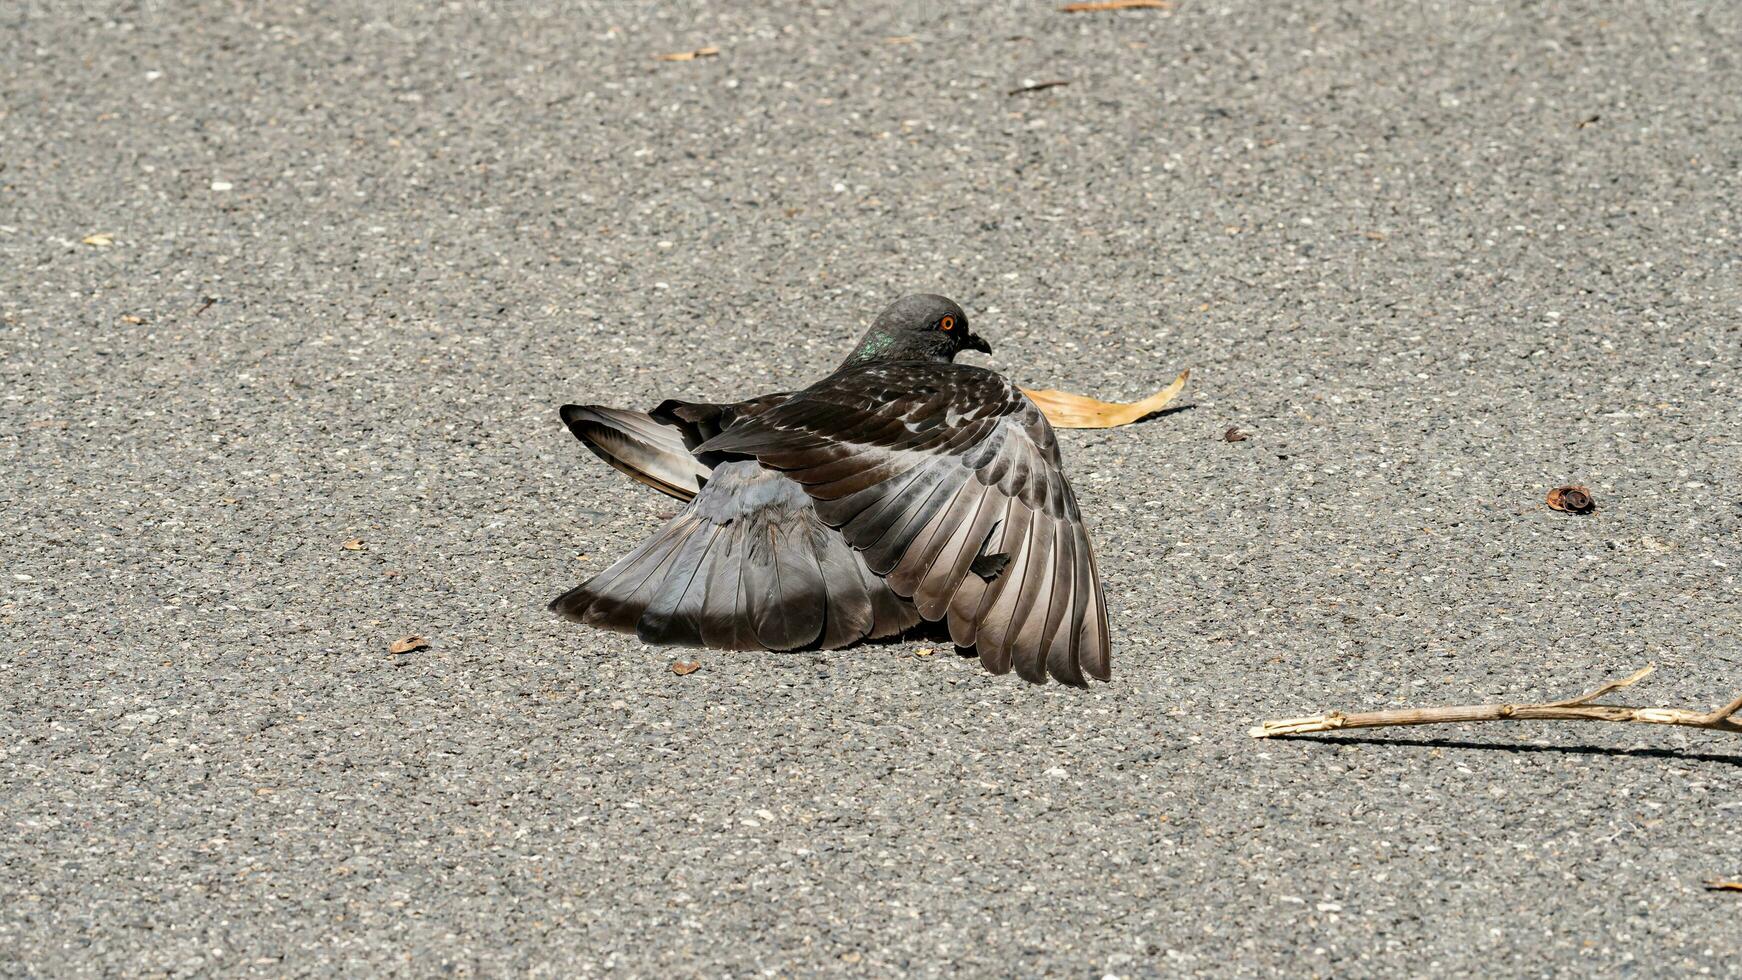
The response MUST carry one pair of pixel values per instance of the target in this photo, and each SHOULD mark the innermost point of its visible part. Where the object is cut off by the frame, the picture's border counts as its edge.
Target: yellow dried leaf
(1067, 411)
(924, 652)
(1094, 8)
(683, 667)
(101, 239)
(130, 318)
(355, 544)
(408, 644)
(1724, 886)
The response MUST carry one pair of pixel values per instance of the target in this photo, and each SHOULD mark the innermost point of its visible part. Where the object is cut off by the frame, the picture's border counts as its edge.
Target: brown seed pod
(1573, 500)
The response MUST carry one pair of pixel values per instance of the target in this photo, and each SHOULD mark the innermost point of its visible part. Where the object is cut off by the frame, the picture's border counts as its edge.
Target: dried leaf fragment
(1068, 411)
(408, 644)
(1234, 435)
(130, 318)
(101, 239)
(690, 55)
(1037, 86)
(924, 652)
(1102, 5)
(355, 544)
(1571, 499)
(683, 668)
(1716, 885)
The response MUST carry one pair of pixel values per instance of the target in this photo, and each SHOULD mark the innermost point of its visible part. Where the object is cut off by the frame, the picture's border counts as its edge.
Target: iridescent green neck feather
(875, 345)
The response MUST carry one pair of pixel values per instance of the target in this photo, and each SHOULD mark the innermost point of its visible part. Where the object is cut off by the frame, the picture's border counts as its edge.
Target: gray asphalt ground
(1435, 258)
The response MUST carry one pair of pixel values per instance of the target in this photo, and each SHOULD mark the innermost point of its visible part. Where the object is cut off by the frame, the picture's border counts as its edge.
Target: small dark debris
(989, 567)
(1038, 87)
(1571, 499)
(1234, 435)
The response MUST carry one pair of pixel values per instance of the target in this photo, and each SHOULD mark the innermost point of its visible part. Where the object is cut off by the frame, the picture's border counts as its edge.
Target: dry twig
(1037, 87)
(708, 52)
(1581, 708)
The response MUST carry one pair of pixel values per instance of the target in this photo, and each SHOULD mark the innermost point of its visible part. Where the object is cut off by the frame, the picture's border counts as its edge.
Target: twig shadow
(1169, 410)
(1452, 743)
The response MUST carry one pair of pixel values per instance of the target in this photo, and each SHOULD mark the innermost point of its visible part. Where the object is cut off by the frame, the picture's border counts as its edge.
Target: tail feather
(724, 626)
(786, 606)
(615, 598)
(850, 613)
(747, 564)
(635, 443)
(674, 614)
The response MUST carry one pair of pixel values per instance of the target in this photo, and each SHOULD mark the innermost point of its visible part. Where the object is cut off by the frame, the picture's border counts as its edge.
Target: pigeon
(902, 487)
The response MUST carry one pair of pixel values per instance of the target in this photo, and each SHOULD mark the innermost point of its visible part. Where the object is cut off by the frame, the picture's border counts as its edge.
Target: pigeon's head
(921, 327)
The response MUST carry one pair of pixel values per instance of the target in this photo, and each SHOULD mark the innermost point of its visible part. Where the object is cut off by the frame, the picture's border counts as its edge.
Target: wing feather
(637, 444)
(1060, 643)
(968, 541)
(950, 521)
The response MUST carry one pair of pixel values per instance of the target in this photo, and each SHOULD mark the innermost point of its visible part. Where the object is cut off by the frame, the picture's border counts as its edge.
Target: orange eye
(947, 323)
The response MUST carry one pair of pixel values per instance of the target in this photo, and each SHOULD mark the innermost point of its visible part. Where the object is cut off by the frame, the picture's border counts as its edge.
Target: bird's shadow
(925, 631)
(1450, 743)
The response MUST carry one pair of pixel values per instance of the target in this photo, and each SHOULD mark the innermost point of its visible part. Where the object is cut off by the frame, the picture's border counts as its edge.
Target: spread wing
(948, 479)
(639, 445)
(654, 447)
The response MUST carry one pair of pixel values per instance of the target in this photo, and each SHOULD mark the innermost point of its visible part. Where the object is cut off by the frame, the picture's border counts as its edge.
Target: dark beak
(975, 342)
